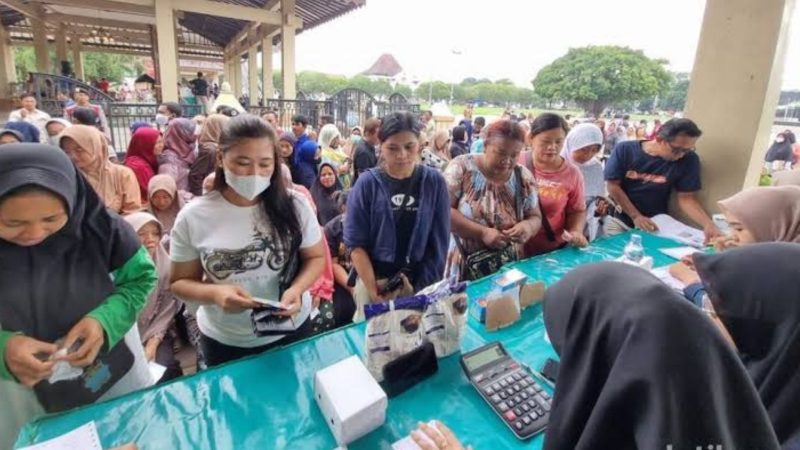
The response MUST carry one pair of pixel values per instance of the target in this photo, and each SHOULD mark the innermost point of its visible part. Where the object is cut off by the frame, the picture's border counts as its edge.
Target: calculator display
(485, 357)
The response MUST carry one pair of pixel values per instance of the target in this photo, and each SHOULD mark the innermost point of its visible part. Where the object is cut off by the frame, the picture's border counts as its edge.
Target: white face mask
(53, 140)
(780, 139)
(249, 186)
(161, 119)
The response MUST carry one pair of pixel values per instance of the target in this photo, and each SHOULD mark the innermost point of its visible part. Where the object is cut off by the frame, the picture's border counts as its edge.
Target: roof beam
(95, 21)
(125, 34)
(252, 39)
(232, 11)
(104, 5)
(26, 9)
(271, 5)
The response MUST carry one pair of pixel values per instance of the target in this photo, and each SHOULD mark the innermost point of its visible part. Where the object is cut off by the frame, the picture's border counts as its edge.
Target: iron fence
(313, 110)
(122, 115)
(348, 107)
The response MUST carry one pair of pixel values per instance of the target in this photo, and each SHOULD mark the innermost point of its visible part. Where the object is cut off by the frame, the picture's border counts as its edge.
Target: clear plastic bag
(445, 317)
(394, 328)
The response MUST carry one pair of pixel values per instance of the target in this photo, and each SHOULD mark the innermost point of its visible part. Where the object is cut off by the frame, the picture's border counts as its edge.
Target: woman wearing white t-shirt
(232, 245)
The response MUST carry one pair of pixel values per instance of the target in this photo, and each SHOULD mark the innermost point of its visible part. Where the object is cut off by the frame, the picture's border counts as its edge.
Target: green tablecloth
(266, 402)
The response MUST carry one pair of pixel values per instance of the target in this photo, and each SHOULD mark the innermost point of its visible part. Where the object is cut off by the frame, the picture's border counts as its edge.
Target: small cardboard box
(350, 399)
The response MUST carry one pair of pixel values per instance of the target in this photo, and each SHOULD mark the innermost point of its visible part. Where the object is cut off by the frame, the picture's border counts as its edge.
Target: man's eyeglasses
(680, 150)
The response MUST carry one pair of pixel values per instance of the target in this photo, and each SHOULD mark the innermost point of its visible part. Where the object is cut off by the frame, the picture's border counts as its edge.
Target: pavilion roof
(217, 30)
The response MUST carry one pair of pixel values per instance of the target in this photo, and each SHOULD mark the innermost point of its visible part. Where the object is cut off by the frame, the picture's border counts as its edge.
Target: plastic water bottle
(634, 252)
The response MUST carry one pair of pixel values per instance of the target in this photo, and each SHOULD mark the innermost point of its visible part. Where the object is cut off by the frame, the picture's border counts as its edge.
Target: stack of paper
(83, 438)
(679, 252)
(663, 274)
(673, 229)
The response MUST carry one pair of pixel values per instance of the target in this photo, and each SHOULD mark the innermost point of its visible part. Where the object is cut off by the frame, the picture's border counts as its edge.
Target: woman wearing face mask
(157, 320)
(207, 146)
(560, 188)
(115, 184)
(398, 220)
(54, 127)
(241, 241)
(581, 148)
(79, 277)
(179, 151)
(142, 157)
(640, 369)
(323, 190)
(494, 207)
(332, 152)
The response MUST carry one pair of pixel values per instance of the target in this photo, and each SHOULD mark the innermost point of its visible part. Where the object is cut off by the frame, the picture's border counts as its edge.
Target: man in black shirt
(365, 156)
(200, 91)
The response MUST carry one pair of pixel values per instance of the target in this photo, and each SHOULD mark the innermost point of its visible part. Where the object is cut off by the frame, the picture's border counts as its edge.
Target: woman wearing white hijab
(581, 147)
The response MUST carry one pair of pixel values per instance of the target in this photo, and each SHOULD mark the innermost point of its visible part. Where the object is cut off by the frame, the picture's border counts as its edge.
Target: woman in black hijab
(58, 246)
(641, 368)
(755, 291)
(326, 184)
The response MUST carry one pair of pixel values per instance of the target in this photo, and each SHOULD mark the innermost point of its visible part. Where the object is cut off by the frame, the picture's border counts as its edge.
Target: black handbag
(404, 372)
(485, 262)
(107, 369)
(263, 319)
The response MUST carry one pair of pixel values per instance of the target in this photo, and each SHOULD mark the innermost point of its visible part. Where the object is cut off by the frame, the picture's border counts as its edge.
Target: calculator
(519, 400)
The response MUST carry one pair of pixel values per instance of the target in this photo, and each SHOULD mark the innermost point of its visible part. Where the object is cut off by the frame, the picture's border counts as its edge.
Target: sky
(507, 38)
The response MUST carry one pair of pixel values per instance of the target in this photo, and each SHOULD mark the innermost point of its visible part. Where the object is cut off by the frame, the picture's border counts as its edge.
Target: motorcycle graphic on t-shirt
(222, 263)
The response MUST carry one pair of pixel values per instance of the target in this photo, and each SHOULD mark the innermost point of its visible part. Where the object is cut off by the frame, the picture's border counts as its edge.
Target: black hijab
(641, 368)
(49, 287)
(780, 151)
(755, 291)
(327, 208)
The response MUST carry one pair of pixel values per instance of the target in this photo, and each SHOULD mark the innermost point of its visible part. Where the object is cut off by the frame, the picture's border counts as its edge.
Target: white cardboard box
(350, 399)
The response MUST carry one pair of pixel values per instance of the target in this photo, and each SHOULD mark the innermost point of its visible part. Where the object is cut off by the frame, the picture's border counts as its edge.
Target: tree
(675, 98)
(439, 90)
(110, 66)
(595, 77)
(320, 83)
(95, 65)
(406, 91)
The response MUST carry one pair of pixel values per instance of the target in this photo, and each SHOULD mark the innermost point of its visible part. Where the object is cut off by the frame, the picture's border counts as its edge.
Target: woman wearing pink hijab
(179, 151)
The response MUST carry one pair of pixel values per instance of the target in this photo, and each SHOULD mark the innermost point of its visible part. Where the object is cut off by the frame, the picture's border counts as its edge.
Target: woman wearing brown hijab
(207, 146)
(115, 184)
(764, 214)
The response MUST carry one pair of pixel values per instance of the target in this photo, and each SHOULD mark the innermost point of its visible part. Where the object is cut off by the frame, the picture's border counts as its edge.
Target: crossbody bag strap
(548, 230)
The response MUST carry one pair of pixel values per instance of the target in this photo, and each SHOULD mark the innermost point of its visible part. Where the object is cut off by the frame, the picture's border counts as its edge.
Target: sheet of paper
(84, 438)
(663, 274)
(157, 370)
(673, 229)
(407, 443)
(679, 252)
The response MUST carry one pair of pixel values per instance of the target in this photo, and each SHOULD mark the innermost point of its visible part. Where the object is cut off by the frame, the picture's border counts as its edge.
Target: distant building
(387, 68)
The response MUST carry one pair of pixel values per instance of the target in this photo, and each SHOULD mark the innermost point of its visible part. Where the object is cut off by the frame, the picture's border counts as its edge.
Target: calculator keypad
(518, 399)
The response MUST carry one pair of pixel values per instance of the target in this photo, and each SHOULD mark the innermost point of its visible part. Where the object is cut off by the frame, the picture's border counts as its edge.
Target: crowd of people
(208, 219)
